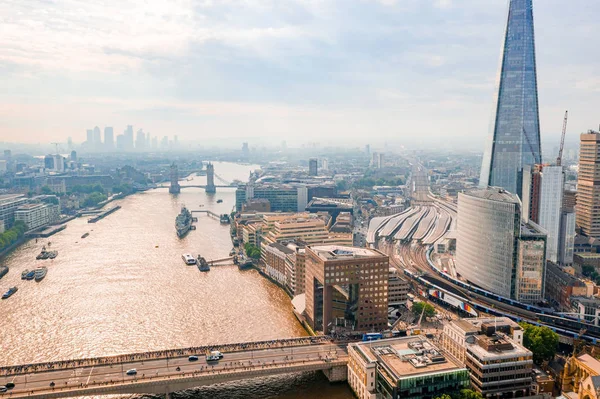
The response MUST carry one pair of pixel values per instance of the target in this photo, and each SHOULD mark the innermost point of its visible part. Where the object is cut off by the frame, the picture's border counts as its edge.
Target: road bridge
(169, 371)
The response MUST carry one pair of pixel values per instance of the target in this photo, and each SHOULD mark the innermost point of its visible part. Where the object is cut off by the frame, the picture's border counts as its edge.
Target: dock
(47, 232)
(209, 213)
(104, 214)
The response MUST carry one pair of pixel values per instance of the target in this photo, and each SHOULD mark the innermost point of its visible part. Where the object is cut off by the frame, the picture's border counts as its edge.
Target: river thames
(124, 288)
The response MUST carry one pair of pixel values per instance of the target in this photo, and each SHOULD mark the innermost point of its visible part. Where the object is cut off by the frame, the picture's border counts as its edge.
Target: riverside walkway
(164, 372)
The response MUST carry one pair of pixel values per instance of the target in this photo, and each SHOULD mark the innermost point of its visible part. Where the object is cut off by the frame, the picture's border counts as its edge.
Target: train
(543, 319)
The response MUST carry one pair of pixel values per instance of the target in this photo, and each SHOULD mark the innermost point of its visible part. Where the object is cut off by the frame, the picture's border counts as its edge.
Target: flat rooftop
(405, 357)
(493, 194)
(340, 252)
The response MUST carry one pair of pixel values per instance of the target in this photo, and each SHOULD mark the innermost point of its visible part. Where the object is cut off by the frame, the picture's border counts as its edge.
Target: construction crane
(562, 140)
(56, 145)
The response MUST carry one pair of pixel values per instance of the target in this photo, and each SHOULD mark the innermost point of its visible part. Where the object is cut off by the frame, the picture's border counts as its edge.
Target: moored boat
(203, 265)
(183, 222)
(30, 275)
(10, 292)
(3, 271)
(24, 274)
(40, 273)
(188, 259)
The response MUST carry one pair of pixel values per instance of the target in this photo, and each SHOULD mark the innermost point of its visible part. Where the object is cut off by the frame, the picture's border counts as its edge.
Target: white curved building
(494, 250)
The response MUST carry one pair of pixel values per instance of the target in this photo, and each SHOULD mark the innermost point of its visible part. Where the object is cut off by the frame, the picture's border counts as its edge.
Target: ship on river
(183, 222)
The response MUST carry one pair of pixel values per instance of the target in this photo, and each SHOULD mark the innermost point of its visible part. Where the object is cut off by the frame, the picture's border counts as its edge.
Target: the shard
(514, 139)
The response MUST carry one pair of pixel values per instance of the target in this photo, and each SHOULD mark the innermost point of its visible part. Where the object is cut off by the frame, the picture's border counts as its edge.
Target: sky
(413, 72)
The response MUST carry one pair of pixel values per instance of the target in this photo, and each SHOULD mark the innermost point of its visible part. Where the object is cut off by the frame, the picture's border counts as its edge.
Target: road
(106, 375)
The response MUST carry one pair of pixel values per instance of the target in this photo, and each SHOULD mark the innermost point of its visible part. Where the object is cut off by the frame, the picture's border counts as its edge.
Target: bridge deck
(160, 375)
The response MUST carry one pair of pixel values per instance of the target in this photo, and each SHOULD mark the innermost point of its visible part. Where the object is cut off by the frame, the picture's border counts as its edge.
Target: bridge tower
(210, 179)
(174, 188)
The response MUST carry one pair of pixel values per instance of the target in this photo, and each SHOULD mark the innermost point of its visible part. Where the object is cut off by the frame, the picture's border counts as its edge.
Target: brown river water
(125, 288)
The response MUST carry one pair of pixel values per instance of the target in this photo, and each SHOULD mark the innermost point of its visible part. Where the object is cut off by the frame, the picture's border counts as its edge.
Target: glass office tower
(514, 139)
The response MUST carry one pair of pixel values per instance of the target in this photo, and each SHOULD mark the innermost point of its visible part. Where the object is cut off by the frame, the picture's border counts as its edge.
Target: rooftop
(493, 194)
(401, 358)
(339, 252)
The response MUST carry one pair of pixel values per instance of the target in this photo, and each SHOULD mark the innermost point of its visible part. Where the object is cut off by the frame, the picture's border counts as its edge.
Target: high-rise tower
(514, 139)
(210, 179)
(174, 188)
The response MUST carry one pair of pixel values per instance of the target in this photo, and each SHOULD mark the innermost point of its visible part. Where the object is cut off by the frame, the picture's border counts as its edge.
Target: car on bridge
(131, 372)
(193, 358)
(214, 356)
(3, 389)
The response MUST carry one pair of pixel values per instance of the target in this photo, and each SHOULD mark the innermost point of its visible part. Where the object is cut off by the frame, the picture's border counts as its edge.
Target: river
(125, 288)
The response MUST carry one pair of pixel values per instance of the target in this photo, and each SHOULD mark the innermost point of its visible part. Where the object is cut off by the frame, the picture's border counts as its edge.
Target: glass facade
(514, 139)
(489, 222)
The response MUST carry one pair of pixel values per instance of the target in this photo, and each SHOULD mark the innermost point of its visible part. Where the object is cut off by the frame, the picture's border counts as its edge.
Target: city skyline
(417, 69)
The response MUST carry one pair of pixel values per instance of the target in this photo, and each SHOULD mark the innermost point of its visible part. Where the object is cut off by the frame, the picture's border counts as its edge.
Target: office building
(400, 368)
(550, 209)
(260, 205)
(346, 286)
(8, 205)
(588, 185)
(140, 140)
(530, 195)
(398, 288)
(308, 227)
(495, 250)
(89, 138)
(245, 150)
(313, 167)
(380, 160)
(109, 139)
(49, 162)
(493, 352)
(514, 140)
(325, 164)
(278, 262)
(128, 138)
(282, 197)
(37, 215)
(97, 138)
(73, 156)
(566, 239)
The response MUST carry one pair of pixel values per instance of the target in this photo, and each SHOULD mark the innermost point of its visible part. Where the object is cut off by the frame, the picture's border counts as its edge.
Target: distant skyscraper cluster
(126, 142)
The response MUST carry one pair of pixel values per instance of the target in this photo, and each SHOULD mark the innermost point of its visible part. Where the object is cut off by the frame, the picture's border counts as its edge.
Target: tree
(94, 199)
(469, 394)
(444, 396)
(46, 190)
(542, 341)
(418, 307)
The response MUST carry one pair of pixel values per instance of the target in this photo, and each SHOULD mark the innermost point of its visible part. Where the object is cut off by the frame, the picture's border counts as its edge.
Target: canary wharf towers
(514, 139)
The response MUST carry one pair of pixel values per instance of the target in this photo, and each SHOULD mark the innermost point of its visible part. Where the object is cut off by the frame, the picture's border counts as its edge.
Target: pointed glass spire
(514, 139)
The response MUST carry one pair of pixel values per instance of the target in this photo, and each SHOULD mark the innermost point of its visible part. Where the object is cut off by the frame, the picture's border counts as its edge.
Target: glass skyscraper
(514, 139)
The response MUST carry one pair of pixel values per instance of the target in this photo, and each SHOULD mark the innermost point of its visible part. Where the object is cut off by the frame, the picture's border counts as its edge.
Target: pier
(104, 214)
(47, 232)
(209, 213)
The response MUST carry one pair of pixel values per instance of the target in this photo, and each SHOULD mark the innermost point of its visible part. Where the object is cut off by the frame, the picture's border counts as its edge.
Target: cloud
(333, 67)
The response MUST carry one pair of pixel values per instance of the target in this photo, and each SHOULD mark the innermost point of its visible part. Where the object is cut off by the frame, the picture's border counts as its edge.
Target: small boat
(247, 264)
(203, 265)
(44, 254)
(30, 275)
(40, 273)
(85, 235)
(52, 254)
(24, 274)
(188, 259)
(3, 271)
(9, 293)
(219, 201)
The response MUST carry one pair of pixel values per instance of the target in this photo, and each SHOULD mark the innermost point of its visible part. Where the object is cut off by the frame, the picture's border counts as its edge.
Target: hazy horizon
(414, 71)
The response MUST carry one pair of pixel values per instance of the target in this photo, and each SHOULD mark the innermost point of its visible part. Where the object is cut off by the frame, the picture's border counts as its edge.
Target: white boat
(188, 259)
